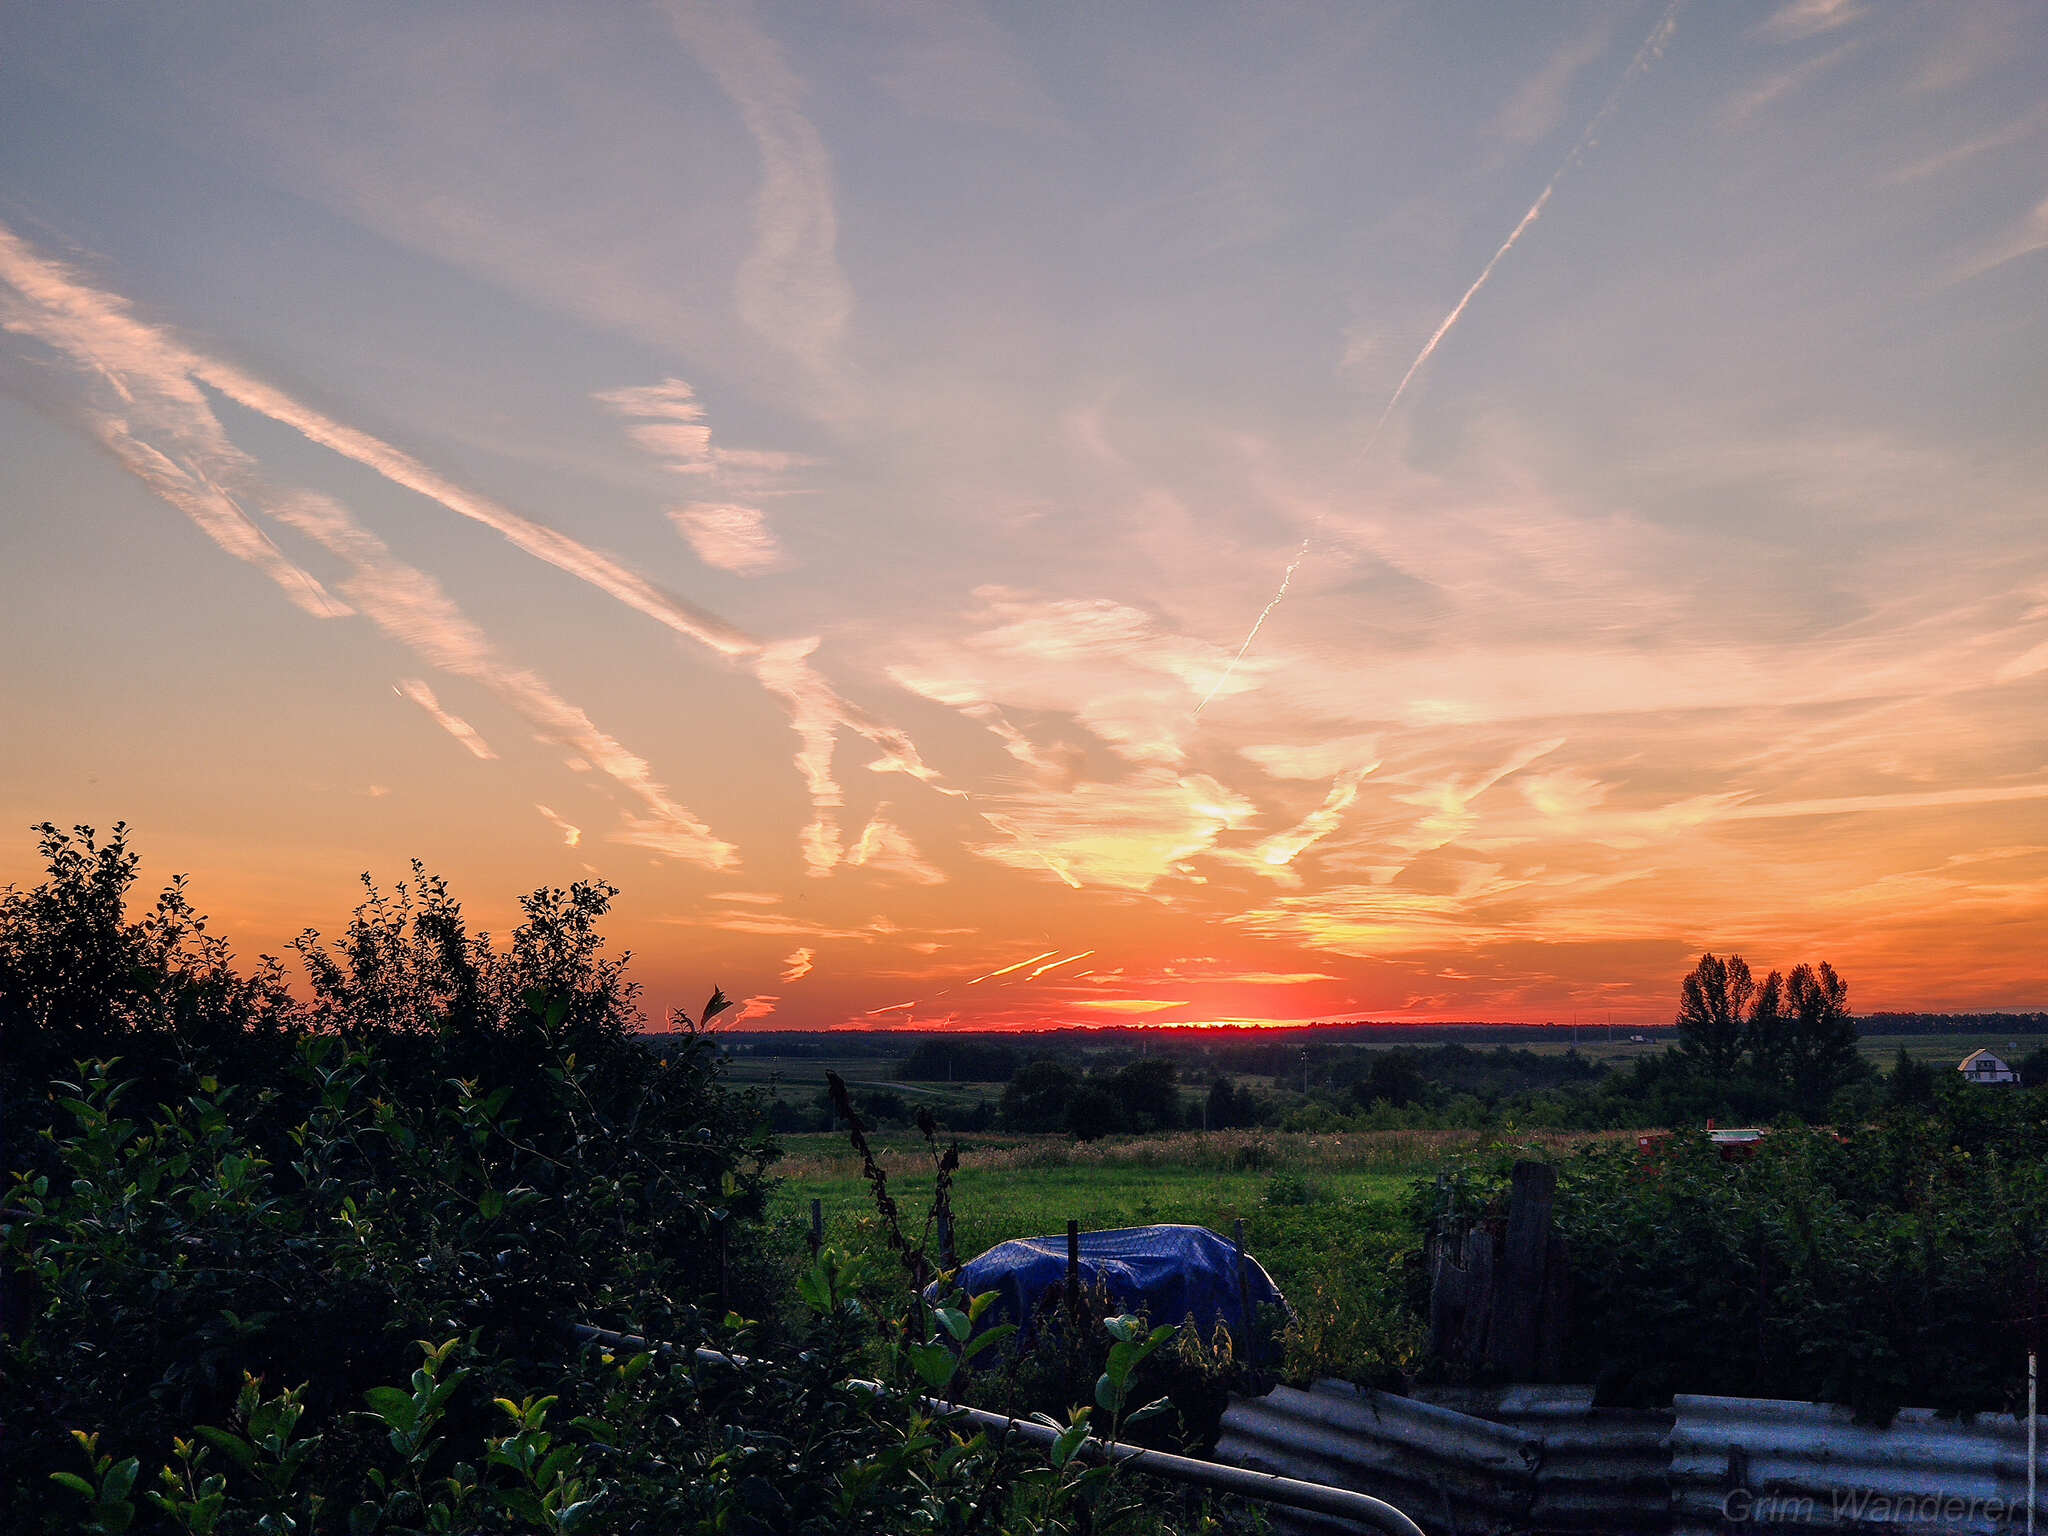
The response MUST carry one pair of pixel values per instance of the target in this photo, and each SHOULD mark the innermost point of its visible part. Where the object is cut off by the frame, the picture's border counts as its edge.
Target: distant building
(1983, 1067)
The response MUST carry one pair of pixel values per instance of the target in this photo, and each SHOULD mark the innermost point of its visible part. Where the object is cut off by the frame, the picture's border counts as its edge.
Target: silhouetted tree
(1713, 1013)
(2033, 1068)
(1094, 1112)
(1911, 1082)
(1146, 1092)
(1395, 1078)
(1821, 1039)
(1036, 1098)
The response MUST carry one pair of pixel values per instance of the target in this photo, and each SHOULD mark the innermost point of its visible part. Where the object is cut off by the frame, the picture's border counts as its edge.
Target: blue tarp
(1167, 1272)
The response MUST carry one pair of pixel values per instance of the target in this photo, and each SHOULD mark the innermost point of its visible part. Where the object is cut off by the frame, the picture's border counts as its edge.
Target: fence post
(817, 1227)
(1073, 1268)
(1513, 1345)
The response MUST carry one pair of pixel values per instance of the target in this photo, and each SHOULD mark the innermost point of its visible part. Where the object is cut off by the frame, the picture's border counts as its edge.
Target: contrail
(1648, 54)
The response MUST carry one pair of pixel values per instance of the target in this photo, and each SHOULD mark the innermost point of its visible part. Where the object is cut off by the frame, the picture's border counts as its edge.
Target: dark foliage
(288, 1266)
(1900, 1264)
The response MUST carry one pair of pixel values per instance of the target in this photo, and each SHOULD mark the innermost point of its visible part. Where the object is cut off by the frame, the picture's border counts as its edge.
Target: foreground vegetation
(286, 1266)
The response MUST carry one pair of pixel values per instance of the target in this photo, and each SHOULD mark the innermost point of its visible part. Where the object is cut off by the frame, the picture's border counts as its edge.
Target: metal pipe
(1263, 1487)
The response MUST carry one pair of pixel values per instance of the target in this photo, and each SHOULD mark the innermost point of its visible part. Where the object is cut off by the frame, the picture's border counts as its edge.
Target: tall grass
(1248, 1151)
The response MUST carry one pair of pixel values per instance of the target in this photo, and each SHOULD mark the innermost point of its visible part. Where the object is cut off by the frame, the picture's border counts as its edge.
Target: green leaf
(74, 1482)
(1124, 1329)
(120, 1478)
(1151, 1410)
(1070, 1440)
(237, 1449)
(391, 1405)
(957, 1323)
(988, 1340)
(934, 1362)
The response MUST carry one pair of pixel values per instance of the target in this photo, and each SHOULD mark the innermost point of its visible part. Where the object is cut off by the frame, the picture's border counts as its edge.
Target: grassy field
(1304, 1199)
(800, 1079)
(1948, 1049)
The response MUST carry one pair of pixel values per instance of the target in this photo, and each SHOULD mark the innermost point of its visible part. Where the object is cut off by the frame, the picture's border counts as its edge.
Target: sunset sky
(810, 464)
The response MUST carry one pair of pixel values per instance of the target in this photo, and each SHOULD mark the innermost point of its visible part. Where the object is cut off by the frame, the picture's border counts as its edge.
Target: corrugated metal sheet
(1542, 1459)
(1431, 1461)
(1801, 1465)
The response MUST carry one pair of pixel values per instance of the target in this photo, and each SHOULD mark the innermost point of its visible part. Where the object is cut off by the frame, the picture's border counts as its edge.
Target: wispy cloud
(732, 537)
(790, 288)
(1538, 104)
(887, 849)
(154, 379)
(1284, 848)
(1652, 50)
(417, 690)
(2025, 238)
(796, 965)
(1810, 18)
(571, 835)
(668, 421)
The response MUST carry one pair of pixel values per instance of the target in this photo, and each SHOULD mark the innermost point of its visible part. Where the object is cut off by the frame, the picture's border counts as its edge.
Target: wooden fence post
(817, 1227)
(1513, 1345)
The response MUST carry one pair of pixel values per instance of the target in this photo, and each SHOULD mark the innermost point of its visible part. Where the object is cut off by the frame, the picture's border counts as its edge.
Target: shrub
(286, 1267)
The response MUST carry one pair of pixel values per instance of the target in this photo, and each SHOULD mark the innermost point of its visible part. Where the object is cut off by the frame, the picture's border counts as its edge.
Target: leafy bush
(1892, 1266)
(311, 1266)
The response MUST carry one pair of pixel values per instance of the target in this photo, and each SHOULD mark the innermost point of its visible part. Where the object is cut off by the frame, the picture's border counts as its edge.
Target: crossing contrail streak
(1648, 54)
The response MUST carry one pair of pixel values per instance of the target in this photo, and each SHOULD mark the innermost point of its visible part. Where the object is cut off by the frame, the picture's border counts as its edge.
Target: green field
(1304, 1199)
(800, 1079)
(1948, 1049)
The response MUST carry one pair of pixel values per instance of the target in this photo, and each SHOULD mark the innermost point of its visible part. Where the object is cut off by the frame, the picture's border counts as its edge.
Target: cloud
(759, 1007)
(99, 333)
(667, 420)
(818, 714)
(2025, 238)
(1129, 835)
(1315, 759)
(415, 689)
(1131, 1004)
(796, 965)
(1538, 104)
(1282, 849)
(731, 537)
(789, 288)
(571, 835)
(887, 849)
(1120, 672)
(2018, 131)
(1810, 18)
(2027, 664)
(153, 378)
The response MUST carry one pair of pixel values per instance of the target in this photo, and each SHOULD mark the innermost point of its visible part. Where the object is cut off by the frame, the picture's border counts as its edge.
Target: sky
(1049, 514)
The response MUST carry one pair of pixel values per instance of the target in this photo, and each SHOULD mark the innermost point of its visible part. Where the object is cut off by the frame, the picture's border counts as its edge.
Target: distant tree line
(1739, 1047)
